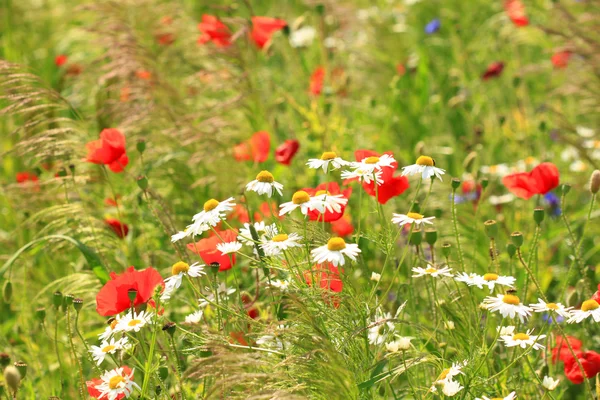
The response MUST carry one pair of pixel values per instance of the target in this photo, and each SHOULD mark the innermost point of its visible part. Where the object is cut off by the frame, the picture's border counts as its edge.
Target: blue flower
(549, 319)
(433, 26)
(553, 202)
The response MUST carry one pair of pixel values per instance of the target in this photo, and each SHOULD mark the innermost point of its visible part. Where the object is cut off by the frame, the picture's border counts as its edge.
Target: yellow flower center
(430, 270)
(444, 374)
(210, 205)
(282, 237)
(511, 299)
(372, 160)
(265, 176)
(493, 169)
(552, 306)
(114, 382)
(414, 215)
(520, 336)
(530, 160)
(113, 324)
(108, 348)
(497, 398)
(490, 277)
(134, 322)
(300, 197)
(424, 160)
(336, 244)
(589, 305)
(328, 155)
(179, 267)
(320, 192)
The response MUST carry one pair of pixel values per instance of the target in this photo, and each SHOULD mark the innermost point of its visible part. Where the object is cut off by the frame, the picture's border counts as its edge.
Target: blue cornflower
(433, 26)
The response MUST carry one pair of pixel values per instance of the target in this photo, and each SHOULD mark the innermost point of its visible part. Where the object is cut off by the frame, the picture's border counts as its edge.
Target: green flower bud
(431, 236)
(22, 367)
(141, 146)
(320, 9)
(62, 173)
(40, 314)
(163, 372)
(214, 267)
(416, 207)
(511, 249)
(68, 300)
(565, 188)
(142, 182)
(416, 238)
(7, 291)
(78, 304)
(57, 299)
(170, 328)
(4, 360)
(455, 183)
(538, 215)
(485, 182)
(491, 228)
(158, 390)
(517, 239)
(446, 249)
(132, 294)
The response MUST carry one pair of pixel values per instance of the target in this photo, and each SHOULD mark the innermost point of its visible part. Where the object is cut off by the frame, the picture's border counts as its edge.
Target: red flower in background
(539, 180)
(561, 59)
(112, 202)
(254, 149)
(120, 229)
(493, 70)
(286, 151)
(596, 295)
(95, 393)
(108, 150)
(24, 177)
(392, 186)
(251, 310)
(240, 213)
(207, 249)
(213, 30)
(328, 277)
(400, 69)
(516, 12)
(143, 74)
(165, 39)
(561, 351)
(342, 227)
(334, 189)
(589, 360)
(267, 210)
(263, 29)
(113, 298)
(316, 81)
(60, 60)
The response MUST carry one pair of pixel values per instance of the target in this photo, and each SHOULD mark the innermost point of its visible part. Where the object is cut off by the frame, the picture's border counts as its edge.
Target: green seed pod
(62, 173)
(4, 360)
(40, 314)
(68, 300)
(57, 299)
(141, 146)
(7, 291)
(132, 294)
(446, 249)
(431, 236)
(12, 377)
(214, 267)
(538, 215)
(158, 390)
(517, 239)
(22, 367)
(170, 328)
(455, 183)
(78, 304)
(565, 188)
(485, 182)
(416, 238)
(511, 249)
(163, 372)
(142, 182)
(491, 228)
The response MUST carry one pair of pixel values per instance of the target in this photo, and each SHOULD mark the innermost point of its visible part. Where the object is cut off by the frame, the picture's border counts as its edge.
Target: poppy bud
(416, 238)
(72, 168)
(68, 300)
(455, 183)
(57, 299)
(4, 360)
(538, 215)
(22, 367)
(12, 378)
(141, 146)
(485, 182)
(163, 372)
(517, 239)
(40, 314)
(431, 236)
(491, 228)
(7, 291)
(595, 182)
(132, 294)
(142, 182)
(511, 249)
(214, 267)
(62, 173)
(170, 328)
(78, 304)
(565, 188)
(446, 249)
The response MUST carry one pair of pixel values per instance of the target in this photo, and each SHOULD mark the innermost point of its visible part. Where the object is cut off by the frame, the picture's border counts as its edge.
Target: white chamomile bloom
(194, 317)
(511, 396)
(375, 276)
(490, 280)
(498, 170)
(135, 321)
(334, 252)
(449, 373)
(325, 201)
(116, 383)
(400, 344)
(549, 383)
(302, 37)
(451, 388)
(301, 200)
(263, 231)
(112, 328)
(265, 184)
(589, 308)
(375, 163)
(557, 308)
(229, 247)
(107, 347)
(328, 162)
(210, 216)
(381, 327)
(508, 305)
(280, 243)
(411, 218)
(431, 270)
(362, 175)
(499, 200)
(523, 340)
(424, 166)
(506, 330)
(178, 270)
(280, 284)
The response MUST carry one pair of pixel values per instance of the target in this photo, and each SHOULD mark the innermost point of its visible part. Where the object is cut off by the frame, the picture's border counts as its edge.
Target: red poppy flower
(95, 393)
(238, 337)
(267, 210)
(165, 38)
(539, 180)
(589, 360)
(561, 59)
(120, 229)
(207, 249)
(286, 151)
(316, 81)
(110, 202)
(516, 12)
(334, 189)
(251, 310)
(254, 149)
(342, 227)
(400, 69)
(143, 74)
(213, 30)
(23, 177)
(240, 213)
(108, 150)
(113, 298)
(596, 295)
(328, 277)
(562, 352)
(493, 70)
(392, 186)
(60, 60)
(263, 29)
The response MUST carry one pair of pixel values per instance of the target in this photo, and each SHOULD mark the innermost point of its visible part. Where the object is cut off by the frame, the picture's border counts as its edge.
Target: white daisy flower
(498, 170)
(401, 344)
(210, 216)
(194, 317)
(107, 347)
(449, 373)
(584, 131)
(557, 308)
(589, 308)
(499, 200)
(223, 292)
(374, 163)
(328, 162)
(280, 284)
(279, 243)
(508, 305)
(451, 388)
(263, 230)
(549, 383)
(411, 218)
(431, 270)
(523, 340)
(362, 175)
(490, 280)
(425, 166)
(302, 37)
(334, 252)
(178, 271)
(264, 184)
(135, 321)
(381, 327)
(506, 330)
(112, 328)
(375, 276)
(324, 201)
(301, 200)
(511, 396)
(116, 383)
(229, 247)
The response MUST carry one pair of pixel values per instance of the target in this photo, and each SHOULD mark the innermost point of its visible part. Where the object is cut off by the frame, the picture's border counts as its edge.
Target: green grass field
(127, 126)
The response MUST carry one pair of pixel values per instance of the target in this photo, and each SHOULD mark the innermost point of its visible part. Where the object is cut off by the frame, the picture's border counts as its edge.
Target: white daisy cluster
(369, 169)
(116, 383)
(490, 280)
(214, 211)
(322, 201)
(449, 386)
(329, 161)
